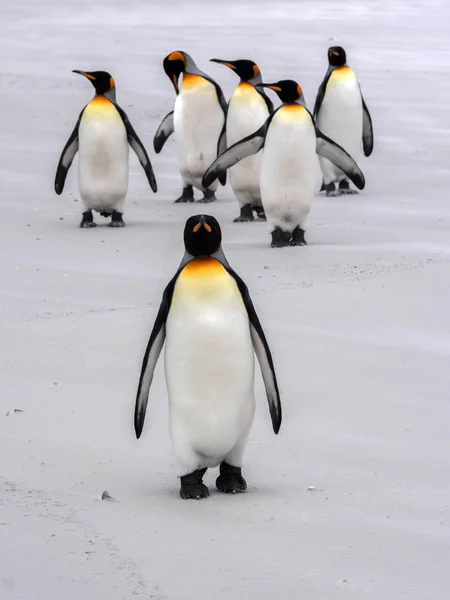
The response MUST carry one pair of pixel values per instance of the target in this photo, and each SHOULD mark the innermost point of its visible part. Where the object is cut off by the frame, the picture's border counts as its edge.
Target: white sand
(358, 321)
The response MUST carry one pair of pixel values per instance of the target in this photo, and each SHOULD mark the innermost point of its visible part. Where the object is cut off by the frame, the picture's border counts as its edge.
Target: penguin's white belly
(209, 365)
(288, 168)
(103, 156)
(340, 116)
(247, 112)
(198, 120)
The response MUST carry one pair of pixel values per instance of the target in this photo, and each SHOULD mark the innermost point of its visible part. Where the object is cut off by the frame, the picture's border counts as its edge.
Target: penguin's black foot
(87, 220)
(116, 220)
(230, 480)
(298, 237)
(344, 188)
(209, 196)
(192, 486)
(260, 213)
(331, 190)
(246, 214)
(322, 187)
(187, 195)
(280, 238)
(105, 214)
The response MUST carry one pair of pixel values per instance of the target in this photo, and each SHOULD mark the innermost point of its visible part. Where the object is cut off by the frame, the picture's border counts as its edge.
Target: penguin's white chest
(247, 112)
(198, 120)
(340, 116)
(103, 155)
(209, 361)
(288, 168)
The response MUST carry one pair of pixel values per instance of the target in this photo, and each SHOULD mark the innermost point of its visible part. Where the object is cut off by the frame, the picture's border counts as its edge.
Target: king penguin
(101, 136)
(342, 114)
(198, 120)
(248, 109)
(211, 331)
(290, 140)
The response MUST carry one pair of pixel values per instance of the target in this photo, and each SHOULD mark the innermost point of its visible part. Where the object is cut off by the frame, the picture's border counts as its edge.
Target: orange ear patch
(299, 90)
(177, 56)
(112, 83)
(256, 71)
(197, 227)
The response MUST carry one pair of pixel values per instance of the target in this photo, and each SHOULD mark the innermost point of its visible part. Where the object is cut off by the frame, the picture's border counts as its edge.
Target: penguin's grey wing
(163, 132)
(340, 158)
(221, 147)
(321, 93)
(266, 99)
(367, 135)
(67, 156)
(138, 147)
(245, 147)
(262, 351)
(154, 347)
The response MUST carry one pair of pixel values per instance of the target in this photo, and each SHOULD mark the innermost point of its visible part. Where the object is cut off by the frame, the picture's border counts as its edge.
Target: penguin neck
(111, 94)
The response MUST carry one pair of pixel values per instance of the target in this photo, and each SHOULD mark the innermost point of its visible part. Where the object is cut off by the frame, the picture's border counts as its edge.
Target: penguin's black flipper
(367, 135)
(221, 147)
(138, 147)
(262, 351)
(245, 147)
(66, 159)
(340, 158)
(163, 132)
(154, 347)
(321, 93)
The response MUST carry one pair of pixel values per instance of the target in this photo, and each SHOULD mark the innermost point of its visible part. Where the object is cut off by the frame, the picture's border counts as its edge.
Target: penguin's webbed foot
(186, 196)
(298, 237)
(344, 188)
(280, 238)
(246, 215)
(116, 220)
(209, 196)
(192, 486)
(230, 480)
(87, 220)
(330, 189)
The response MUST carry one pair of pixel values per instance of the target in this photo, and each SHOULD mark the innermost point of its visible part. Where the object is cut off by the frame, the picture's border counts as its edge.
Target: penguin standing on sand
(290, 140)
(342, 114)
(198, 120)
(101, 136)
(248, 109)
(211, 330)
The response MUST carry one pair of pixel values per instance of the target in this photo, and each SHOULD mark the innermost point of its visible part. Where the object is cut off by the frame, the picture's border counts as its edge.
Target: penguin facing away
(290, 140)
(248, 109)
(101, 136)
(211, 331)
(198, 120)
(342, 114)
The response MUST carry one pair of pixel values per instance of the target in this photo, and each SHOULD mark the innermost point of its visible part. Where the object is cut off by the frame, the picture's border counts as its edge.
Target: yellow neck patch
(204, 280)
(193, 81)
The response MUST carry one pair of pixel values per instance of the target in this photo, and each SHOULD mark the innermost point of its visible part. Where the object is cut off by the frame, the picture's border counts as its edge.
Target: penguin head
(288, 90)
(174, 64)
(336, 56)
(202, 235)
(245, 69)
(101, 80)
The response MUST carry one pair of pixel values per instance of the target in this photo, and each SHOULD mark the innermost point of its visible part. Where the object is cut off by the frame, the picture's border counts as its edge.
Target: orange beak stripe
(91, 77)
(334, 53)
(275, 88)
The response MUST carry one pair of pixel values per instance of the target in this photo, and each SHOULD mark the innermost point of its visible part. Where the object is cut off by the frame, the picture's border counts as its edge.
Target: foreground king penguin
(248, 109)
(101, 136)
(290, 140)
(342, 114)
(198, 120)
(211, 330)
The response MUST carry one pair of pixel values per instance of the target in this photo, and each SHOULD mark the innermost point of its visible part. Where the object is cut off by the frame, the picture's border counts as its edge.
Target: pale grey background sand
(358, 321)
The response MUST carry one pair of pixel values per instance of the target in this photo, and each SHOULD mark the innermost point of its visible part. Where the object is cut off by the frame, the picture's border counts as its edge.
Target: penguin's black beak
(227, 63)
(85, 74)
(271, 86)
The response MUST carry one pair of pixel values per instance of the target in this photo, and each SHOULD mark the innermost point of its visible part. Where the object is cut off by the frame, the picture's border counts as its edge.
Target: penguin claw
(243, 219)
(88, 225)
(195, 491)
(116, 224)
